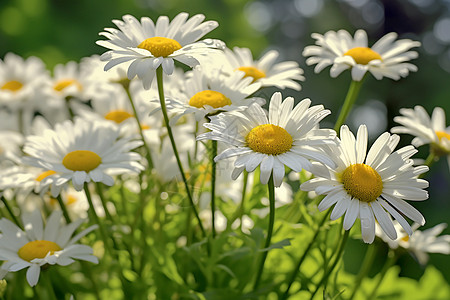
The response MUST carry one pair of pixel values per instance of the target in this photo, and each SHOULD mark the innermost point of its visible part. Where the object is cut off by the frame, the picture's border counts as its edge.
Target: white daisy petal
(82, 151)
(50, 240)
(367, 222)
(351, 214)
(384, 220)
(177, 40)
(384, 59)
(287, 136)
(340, 208)
(33, 274)
(373, 186)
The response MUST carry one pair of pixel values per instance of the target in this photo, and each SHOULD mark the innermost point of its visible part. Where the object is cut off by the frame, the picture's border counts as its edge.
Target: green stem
(302, 258)
(69, 108)
(136, 116)
(213, 187)
(99, 190)
(430, 159)
(367, 263)
(350, 99)
(8, 208)
(20, 120)
(88, 272)
(244, 191)
(47, 282)
(271, 188)
(124, 203)
(64, 209)
(392, 258)
(103, 233)
(196, 142)
(337, 258)
(159, 78)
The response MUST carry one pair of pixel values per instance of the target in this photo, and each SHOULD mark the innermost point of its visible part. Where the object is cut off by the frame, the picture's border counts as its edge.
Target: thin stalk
(213, 187)
(20, 120)
(244, 191)
(196, 142)
(99, 190)
(271, 188)
(124, 203)
(88, 271)
(302, 258)
(350, 99)
(8, 208)
(69, 108)
(159, 78)
(136, 116)
(47, 282)
(367, 263)
(64, 209)
(392, 258)
(103, 233)
(430, 159)
(337, 258)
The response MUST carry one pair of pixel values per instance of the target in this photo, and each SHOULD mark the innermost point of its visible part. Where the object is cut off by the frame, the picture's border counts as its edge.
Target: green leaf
(278, 245)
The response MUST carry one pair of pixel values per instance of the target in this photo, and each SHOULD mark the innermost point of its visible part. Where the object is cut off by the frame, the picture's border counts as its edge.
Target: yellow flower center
(44, 175)
(12, 85)
(37, 249)
(160, 46)
(118, 116)
(363, 55)
(145, 126)
(269, 139)
(442, 135)
(405, 238)
(362, 182)
(62, 84)
(211, 98)
(252, 72)
(82, 160)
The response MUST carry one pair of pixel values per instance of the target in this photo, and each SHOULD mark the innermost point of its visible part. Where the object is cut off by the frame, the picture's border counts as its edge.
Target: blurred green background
(58, 31)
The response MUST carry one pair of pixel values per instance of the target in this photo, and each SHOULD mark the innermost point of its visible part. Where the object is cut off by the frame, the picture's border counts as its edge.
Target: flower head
(370, 185)
(386, 58)
(426, 130)
(288, 136)
(148, 45)
(206, 93)
(19, 79)
(264, 70)
(82, 151)
(39, 245)
(420, 243)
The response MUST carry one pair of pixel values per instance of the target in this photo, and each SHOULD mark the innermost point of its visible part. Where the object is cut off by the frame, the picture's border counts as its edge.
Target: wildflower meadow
(172, 163)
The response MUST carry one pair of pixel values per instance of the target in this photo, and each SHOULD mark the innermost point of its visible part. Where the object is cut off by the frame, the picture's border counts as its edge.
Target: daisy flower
(19, 79)
(386, 58)
(208, 92)
(370, 185)
(39, 245)
(148, 45)
(426, 130)
(288, 136)
(82, 151)
(94, 68)
(114, 109)
(420, 243)
(264, 70)
(24, 179)
(11, 148)
(69, 81)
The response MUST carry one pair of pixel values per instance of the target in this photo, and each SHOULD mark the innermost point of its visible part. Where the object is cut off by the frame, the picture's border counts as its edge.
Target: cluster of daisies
(99, 121)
